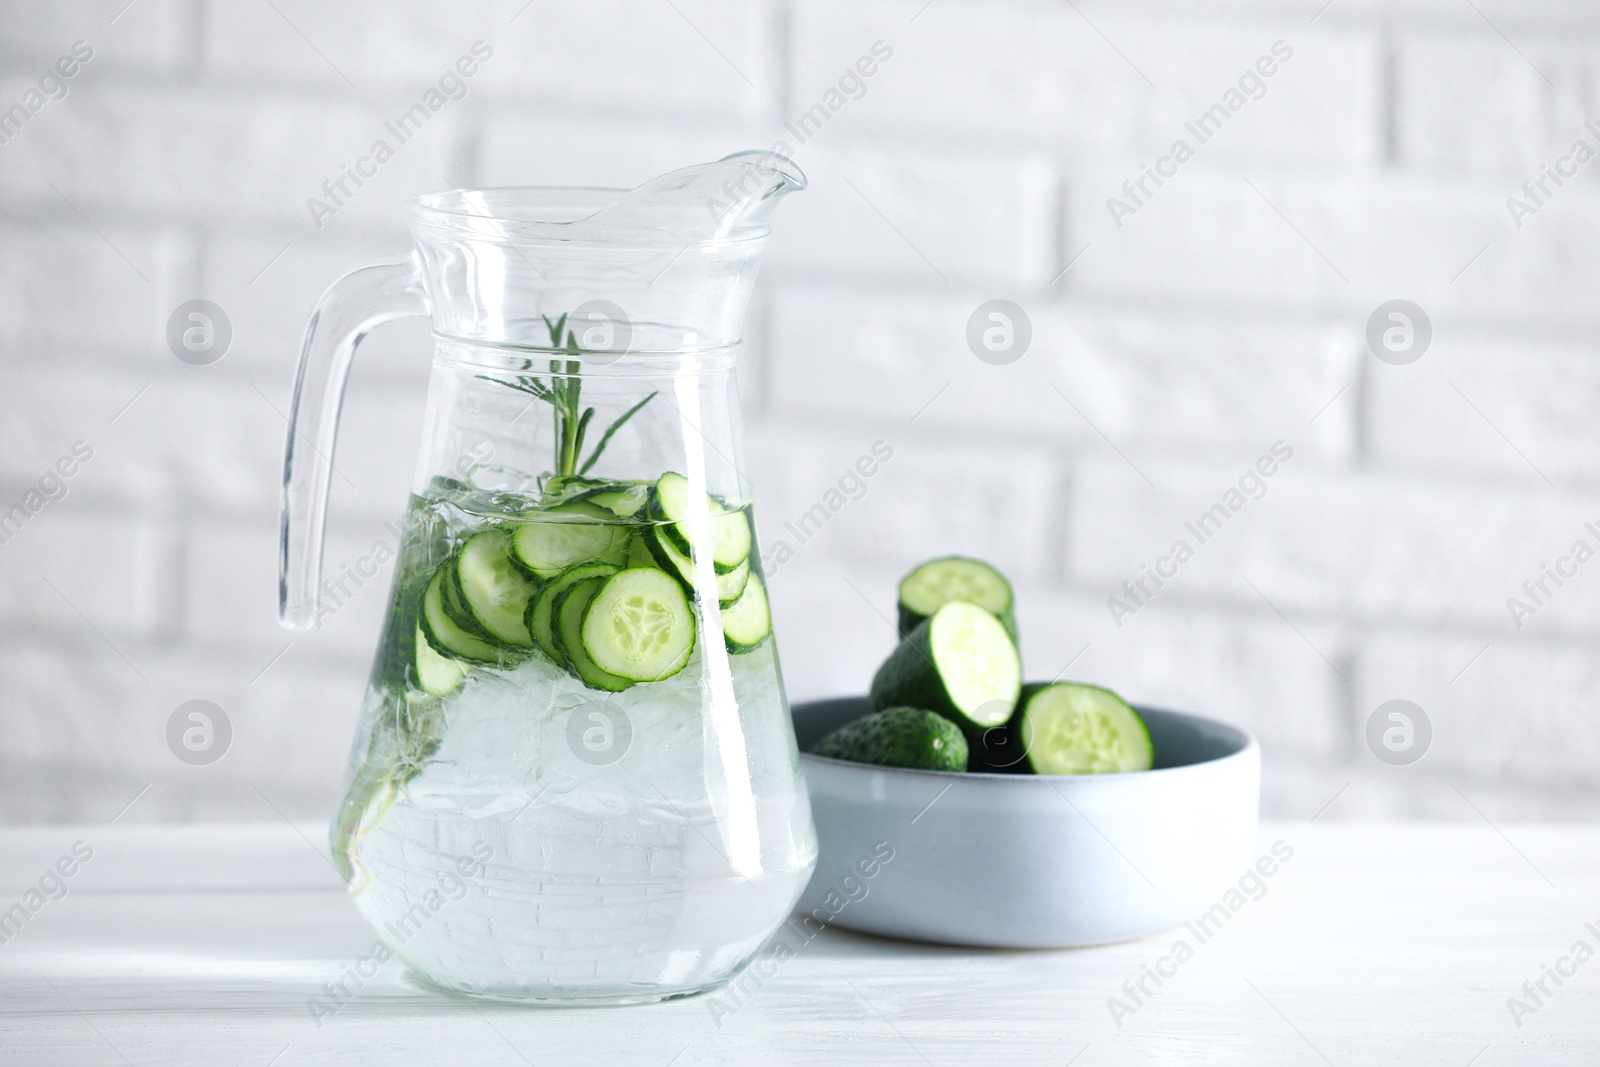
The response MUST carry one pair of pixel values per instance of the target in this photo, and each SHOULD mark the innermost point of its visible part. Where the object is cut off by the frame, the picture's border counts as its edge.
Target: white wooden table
(1375, 944)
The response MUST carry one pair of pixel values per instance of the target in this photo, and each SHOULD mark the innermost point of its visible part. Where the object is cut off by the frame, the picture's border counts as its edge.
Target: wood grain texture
(1374, 944)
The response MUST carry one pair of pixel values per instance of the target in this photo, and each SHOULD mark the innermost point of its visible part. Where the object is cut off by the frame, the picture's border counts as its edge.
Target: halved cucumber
(570, 608)
(494, 590)
(557, 538)
(932, 585)
(667, 556)
(747, 622)
(540, 617)
(639, 626)
(442, 630)
(1082, 729)
(960, 662)
(437, 674)
(729, 527)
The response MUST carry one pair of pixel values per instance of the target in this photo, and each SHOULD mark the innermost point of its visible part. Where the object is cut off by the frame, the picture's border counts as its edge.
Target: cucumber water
(574, 744)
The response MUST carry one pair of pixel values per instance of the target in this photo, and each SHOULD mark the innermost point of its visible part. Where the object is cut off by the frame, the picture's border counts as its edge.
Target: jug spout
(729, 199)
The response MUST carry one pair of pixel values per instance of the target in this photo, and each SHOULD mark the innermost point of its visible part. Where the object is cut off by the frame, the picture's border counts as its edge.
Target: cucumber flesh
(492, 588)
(570, 608)
(961, 663)
(443, 632)
(437, 674)
(667, 556)
(557, 538)
(639, 626)
(1083, 729)
(899, 737)
(729, 527)
(747, 622)
(932, 585)
(540, 618)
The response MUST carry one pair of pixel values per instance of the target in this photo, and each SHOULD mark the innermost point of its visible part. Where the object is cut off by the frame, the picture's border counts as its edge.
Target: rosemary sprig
(563, 391)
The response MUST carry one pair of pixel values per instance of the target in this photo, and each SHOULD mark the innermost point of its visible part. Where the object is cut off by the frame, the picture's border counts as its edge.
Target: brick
(661, 62)
(153, 37)
(1247, 668)
(712, 57)
(120, 573)
(1422, 415)
(75, 718)
(1208, 237)
(66, 282)
(209, 437)
(230, 592)
(229, 156)
(376, 49)
(926, 216)
(1368, 546)
(1467, 103)
(1149, 380)
(834, 624)
(994, 69)
(986, 70)
(934, 496)
(1321, 105)
(1519, 712)
(626, 151)
(269, 297)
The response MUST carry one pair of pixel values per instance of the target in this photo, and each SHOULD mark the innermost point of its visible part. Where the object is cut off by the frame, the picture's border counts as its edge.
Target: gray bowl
(1030, 861)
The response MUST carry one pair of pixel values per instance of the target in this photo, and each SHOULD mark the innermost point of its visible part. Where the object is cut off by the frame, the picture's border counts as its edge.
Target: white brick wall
(1227, 313)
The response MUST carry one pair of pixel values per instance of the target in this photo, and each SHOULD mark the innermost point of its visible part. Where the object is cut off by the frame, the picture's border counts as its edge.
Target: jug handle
(367, 296)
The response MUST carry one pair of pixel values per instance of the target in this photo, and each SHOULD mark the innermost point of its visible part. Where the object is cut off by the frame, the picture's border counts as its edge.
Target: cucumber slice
(1083, 729)
(933, 584)
(455, 605)
(540, 618)
(494, 591)
(666, 556)
(558, 538)
(899, 737)
(443, 632)
(639, 626)
(436, 673)
(747, 622)
(730, 528)
(570, 608)
(622, 499)
(561, 490)
(961, 663)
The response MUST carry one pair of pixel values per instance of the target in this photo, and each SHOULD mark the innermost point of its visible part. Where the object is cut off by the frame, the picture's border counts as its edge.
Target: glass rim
(542, 212)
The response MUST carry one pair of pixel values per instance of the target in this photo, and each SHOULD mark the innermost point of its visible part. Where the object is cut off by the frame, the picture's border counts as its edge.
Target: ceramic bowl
(1030, 861)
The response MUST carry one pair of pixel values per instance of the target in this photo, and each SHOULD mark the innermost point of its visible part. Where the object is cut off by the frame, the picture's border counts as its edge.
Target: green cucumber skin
(671, 529)
(908, 678)
(899, 737)
(454, 602)
(492, 655)
(573, 656)
(910, 620)
(540, 617)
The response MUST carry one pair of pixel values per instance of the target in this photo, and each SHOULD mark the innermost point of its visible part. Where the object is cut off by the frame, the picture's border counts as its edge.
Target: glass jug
(574, 778)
